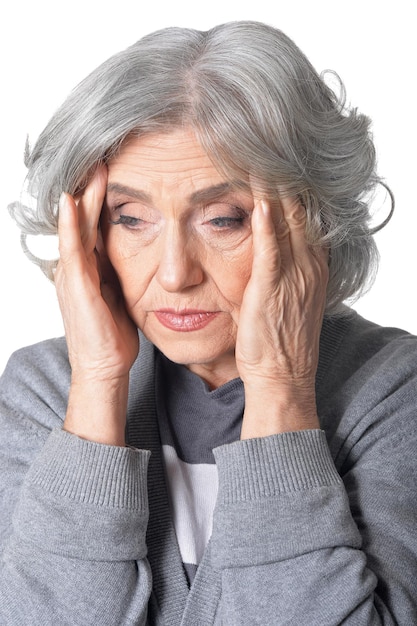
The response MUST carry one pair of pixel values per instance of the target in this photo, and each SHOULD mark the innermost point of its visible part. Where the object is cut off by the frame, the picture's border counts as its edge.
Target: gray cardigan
(310, 528)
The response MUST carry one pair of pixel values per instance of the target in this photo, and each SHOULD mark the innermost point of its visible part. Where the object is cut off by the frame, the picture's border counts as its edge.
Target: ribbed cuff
(268, 466)
(91, 473)
(279, 497)
(85, 500)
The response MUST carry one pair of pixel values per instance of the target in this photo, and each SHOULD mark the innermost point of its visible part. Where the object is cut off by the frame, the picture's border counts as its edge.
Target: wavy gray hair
(258, 107)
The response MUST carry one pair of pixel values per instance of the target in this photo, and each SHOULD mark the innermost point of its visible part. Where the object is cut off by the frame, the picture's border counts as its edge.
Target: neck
(214, 375)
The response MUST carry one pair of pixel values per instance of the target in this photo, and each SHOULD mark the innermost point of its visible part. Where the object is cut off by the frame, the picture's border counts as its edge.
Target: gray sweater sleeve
(79, 515)
(287, 543)
(320, 527)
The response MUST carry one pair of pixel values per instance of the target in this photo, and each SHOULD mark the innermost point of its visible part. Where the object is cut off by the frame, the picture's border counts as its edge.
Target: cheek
(133, 268)
(231, 276)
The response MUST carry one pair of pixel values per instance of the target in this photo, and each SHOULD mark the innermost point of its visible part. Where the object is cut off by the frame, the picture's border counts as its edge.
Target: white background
(47, 47)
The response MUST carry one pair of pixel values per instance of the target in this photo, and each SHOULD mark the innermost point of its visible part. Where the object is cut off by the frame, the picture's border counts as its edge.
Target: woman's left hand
(280, 321)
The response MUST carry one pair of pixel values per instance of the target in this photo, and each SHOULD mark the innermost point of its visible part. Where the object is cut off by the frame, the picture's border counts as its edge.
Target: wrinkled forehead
(169, 158)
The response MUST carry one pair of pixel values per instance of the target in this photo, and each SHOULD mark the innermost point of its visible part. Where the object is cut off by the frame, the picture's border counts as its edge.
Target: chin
(189, 349)
(192, 355)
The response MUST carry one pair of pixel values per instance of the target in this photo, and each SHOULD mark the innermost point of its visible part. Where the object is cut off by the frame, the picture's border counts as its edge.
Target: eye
(227, 222)
(223, 216)
(128, 221)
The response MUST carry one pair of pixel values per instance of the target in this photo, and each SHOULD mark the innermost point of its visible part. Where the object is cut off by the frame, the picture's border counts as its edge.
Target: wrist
(283, 408)
(97, 410)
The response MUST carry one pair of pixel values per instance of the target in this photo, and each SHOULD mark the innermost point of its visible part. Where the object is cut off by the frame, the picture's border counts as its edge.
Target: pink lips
(185, 321)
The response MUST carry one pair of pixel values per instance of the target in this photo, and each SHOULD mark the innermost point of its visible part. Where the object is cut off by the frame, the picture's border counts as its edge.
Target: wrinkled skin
(157, 233)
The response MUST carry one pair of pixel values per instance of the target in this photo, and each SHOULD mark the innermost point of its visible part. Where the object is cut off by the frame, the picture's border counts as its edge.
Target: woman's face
(178, 235)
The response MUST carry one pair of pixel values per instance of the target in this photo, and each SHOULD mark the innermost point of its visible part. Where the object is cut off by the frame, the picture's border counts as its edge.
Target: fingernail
(62, 200)
(265, 207)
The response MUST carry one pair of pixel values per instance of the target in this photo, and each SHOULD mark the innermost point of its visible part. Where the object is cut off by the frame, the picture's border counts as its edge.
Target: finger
(266, 248)
(70, 242)
(296, 218)
(290, 222)
(293, 212)
(274, 207)
(90, 206)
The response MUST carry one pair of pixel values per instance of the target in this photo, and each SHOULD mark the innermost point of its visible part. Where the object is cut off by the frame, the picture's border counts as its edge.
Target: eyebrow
(123, 190)
(200, 196)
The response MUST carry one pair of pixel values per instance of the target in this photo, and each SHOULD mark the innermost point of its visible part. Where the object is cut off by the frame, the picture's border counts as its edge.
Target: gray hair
(257, 106)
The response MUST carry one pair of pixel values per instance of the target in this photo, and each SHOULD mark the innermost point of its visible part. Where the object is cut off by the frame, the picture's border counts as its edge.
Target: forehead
(174, 153)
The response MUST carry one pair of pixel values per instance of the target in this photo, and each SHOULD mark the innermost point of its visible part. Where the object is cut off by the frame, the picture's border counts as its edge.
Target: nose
(180, 265)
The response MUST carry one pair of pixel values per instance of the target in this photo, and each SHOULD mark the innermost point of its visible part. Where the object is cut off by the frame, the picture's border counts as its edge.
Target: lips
(185, 321)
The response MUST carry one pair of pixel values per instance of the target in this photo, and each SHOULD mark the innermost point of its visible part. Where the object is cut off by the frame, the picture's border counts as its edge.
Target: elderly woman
(249, 456)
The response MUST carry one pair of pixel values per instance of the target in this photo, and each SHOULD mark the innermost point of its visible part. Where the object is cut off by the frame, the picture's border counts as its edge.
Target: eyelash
(234, 222)
(228, 222)
(220, 222)
(126, 220)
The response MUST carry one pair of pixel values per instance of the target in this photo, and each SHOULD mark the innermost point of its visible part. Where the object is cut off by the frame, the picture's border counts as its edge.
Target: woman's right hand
(102, 339)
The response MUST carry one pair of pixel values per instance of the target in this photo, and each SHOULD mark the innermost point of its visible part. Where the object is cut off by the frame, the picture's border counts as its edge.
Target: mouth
(185, 321)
